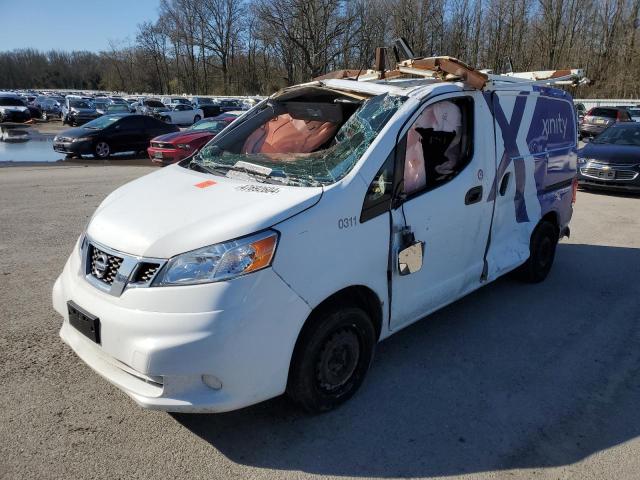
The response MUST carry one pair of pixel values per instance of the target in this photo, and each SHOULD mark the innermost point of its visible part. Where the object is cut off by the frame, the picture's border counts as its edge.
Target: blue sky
(71, 24)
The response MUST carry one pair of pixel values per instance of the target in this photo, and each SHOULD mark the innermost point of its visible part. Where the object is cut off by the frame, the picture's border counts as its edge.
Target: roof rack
(450, 69)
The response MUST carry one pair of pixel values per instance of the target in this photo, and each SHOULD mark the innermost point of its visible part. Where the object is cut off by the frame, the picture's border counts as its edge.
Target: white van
(322, 221)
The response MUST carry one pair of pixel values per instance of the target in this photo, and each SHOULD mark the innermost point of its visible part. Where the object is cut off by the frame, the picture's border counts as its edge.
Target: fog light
(212, 382)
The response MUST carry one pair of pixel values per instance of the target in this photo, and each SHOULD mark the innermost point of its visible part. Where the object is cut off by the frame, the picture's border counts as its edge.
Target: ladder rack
(450, 69)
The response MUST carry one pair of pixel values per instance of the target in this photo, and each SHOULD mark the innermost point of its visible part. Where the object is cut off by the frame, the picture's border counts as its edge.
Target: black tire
(331, 358)
(101, 150)
(166, 119)
(542, 251)
(196, 119)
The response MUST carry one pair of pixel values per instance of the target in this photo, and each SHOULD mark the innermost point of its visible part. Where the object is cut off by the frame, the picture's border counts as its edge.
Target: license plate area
(157, 154)
(84, 322)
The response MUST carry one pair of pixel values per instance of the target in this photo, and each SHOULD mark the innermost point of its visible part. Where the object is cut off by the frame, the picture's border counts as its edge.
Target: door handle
(474, 195)
(504, 183)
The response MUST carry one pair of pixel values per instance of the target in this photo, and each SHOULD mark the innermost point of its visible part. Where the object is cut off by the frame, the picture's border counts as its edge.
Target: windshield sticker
(257, 189)
(205, 184)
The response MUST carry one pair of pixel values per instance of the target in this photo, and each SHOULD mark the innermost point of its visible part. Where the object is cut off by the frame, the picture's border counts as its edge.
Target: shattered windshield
(320, 167)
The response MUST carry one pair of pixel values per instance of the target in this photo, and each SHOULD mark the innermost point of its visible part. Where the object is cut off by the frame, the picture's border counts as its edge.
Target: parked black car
(50, 107)
(597, 119)
(77, 111)
(229, 105)
(109, 134)
(612, 159)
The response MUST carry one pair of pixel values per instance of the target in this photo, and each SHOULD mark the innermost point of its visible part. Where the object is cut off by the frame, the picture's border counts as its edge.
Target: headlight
(184, 146)
(220, 262)
(582, 160)
(82, 139)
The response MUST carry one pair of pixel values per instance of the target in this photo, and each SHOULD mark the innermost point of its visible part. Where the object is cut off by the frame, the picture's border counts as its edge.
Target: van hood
(175, 210)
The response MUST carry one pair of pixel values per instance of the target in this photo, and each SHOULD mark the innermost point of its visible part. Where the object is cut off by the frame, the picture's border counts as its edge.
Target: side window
(131, 123)
(380, 192)
(439, 145)
(151, 123)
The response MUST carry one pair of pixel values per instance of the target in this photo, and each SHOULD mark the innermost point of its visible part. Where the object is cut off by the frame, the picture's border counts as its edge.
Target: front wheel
(101, 150)
(196, 119)
(331, 358)
(542, 251)
(166, 119)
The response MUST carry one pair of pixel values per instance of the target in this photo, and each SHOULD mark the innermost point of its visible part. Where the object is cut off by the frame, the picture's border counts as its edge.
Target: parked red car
(173, 147)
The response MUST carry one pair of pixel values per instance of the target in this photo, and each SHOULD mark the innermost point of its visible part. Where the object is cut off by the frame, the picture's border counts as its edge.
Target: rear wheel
(196, 119)
(101, 150)
(331, 358)
(542, 248)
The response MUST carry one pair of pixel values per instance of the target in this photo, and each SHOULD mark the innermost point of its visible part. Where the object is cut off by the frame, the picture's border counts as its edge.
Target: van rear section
(536, 162)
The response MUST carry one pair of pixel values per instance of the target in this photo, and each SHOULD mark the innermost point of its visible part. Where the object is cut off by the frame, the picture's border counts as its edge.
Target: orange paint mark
(205, 184)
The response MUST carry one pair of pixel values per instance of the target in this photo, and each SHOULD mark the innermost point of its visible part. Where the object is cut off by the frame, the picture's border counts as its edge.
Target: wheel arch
(354, 295)
(357, 295)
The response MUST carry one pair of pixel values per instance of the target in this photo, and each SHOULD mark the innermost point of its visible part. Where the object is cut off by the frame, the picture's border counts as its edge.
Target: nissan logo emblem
(100, 265)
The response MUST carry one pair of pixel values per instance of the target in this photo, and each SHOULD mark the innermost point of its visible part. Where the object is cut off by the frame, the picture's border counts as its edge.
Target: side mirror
(410, 258)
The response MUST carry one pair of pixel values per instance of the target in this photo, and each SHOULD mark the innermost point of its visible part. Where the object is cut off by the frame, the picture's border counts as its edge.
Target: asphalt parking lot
(513, 381)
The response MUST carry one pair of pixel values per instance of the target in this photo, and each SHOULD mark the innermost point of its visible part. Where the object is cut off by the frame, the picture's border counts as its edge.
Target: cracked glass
(322, 167)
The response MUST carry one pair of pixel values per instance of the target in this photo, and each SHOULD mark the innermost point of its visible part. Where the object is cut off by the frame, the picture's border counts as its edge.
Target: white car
(315, 225)
(181, 114)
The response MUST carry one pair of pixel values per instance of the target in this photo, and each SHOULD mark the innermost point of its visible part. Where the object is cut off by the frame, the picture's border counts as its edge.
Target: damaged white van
(323, 220)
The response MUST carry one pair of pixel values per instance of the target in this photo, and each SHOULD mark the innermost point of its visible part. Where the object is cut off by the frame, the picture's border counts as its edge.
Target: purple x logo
(509, 131)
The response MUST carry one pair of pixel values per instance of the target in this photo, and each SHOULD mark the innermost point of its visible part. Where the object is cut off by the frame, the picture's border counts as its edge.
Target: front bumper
(157, 343)
(617, 177)
(590, 130)
(81, 119)
(166, 156)
(15, 116)
(77, 148)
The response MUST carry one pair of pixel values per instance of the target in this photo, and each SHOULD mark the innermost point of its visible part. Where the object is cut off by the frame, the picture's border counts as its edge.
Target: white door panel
(517, 208)
(454, 234)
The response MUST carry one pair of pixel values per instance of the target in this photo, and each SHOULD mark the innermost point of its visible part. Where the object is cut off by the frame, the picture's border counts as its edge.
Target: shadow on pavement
(512, 376)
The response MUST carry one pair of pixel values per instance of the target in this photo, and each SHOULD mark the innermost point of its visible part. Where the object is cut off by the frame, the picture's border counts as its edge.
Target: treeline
(258, 46)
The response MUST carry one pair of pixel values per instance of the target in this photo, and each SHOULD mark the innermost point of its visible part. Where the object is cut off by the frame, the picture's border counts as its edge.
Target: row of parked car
(164, 142)
(76, 109)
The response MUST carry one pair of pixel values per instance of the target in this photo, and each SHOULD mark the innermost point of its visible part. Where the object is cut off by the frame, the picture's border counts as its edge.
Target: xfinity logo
(554, 126)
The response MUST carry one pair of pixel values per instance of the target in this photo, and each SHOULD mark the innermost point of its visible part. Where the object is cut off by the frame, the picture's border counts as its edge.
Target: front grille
(610, 174)
(103, 265)
(113, 272)
(625, 175)
(163, 145)
(145, 272)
